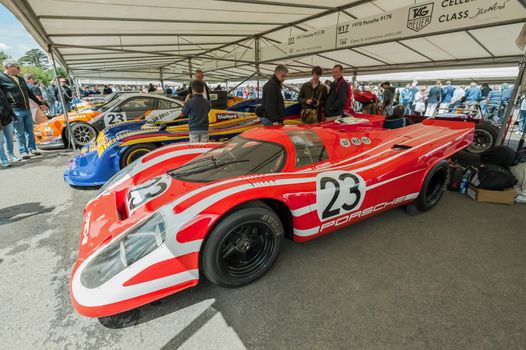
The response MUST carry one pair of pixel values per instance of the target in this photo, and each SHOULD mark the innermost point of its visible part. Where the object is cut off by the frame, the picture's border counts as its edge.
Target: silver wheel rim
(83, 134)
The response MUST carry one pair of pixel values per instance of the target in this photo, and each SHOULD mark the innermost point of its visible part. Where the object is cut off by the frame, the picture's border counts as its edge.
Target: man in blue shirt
(407, 98)
(473, 94)
(494, 101)
(447, 95)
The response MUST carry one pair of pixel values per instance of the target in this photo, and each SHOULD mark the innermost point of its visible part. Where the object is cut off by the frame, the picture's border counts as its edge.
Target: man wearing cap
(18, 94)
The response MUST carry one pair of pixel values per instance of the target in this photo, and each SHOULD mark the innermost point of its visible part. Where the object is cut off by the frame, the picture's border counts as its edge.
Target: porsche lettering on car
(221, 211)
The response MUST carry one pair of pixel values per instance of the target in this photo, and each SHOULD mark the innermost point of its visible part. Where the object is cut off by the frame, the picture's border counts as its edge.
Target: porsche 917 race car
(118, 146)
(222, 210)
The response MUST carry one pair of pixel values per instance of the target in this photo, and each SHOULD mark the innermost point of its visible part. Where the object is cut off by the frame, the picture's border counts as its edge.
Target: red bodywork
(387, 168)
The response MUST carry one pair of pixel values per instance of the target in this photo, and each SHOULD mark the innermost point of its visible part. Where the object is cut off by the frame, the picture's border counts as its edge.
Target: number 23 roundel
(338, 193)
(149, 190)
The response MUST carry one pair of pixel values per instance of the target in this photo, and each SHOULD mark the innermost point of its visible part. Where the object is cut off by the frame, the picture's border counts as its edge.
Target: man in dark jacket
(196, 109)
(388, 98)
(68, 96)
(199, 75)
(18, 95)
(338, 93)
(313, 93)
(272, 108)
(434, 99)
(6, 131)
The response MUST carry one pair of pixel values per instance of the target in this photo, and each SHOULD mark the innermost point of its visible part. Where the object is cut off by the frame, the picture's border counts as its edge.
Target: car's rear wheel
(432, 189)
(485, 137)
(83, 133)
(134, 152)
(242, 247)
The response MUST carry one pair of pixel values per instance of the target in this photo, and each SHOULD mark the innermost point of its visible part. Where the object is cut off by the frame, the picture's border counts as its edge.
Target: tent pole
(61, 96)
(244, 81)
(257, 59)
(162, 81)
(508, 113)
(190, 69)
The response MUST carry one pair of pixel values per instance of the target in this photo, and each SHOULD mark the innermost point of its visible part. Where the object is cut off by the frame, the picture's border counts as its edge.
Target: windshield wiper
(215, 165)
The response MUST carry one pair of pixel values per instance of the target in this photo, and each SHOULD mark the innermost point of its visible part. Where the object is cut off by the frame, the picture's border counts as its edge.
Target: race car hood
(136, 196)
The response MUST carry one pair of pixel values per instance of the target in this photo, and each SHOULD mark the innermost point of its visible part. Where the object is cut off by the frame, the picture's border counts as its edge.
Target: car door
(133, 108)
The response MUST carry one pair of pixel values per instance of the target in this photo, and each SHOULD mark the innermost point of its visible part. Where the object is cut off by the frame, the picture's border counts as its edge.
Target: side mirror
(117, 109)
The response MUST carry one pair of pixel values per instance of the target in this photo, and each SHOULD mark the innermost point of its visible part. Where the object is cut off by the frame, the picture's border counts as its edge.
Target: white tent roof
(150, 39)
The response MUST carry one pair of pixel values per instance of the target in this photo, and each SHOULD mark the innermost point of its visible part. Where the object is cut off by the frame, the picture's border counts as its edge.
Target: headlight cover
(124, 252)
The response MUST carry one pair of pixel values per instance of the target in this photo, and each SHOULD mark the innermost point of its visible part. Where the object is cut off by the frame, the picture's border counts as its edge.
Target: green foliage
(42, 75)
(3, 56)
(35, 57)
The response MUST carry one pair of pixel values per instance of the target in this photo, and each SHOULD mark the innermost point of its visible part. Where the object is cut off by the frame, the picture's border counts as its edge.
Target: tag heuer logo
(419, 16)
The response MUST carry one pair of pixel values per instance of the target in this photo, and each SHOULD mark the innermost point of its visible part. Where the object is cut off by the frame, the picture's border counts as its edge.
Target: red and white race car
(223, 209)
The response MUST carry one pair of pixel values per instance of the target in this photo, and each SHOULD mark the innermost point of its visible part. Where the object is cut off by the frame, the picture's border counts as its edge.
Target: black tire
(134, 152)
(432, 189)
(82, 133)
(485, 137)
(242, 247)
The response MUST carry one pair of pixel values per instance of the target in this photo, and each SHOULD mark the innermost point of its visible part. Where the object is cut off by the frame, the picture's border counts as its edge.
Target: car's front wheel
(242, 247)
(134, 152)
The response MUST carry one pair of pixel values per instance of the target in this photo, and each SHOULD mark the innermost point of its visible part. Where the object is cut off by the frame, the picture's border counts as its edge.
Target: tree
(36, 58)
(3, 56)
(41, 75)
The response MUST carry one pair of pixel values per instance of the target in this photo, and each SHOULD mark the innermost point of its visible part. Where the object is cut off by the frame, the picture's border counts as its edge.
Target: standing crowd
(23, 103)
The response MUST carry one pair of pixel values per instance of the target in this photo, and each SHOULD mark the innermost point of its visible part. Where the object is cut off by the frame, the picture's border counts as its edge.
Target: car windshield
(112, 103)
(239, 156)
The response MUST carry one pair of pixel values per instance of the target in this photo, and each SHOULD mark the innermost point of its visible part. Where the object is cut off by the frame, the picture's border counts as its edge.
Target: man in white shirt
(458, 94)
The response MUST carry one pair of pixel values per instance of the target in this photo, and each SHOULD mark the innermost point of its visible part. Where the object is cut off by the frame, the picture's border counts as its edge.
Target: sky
(14, 39)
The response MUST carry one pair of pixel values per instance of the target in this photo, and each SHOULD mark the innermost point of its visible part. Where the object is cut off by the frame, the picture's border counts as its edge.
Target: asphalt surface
(452, 278)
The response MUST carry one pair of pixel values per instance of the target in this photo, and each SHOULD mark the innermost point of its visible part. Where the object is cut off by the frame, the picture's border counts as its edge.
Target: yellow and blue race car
(121, 144)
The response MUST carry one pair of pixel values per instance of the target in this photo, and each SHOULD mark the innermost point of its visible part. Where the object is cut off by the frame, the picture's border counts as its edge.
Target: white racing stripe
(307, 209)
(113, 291)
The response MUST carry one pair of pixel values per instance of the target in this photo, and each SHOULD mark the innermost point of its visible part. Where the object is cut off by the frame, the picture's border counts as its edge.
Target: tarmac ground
(452, 278)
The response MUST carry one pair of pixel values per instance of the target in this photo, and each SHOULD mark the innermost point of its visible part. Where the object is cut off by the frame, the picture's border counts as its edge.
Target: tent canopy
(228, 39)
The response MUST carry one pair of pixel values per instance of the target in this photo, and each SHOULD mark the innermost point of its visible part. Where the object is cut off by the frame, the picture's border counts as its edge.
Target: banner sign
(426, 18)
(314, 41)
(415, 20)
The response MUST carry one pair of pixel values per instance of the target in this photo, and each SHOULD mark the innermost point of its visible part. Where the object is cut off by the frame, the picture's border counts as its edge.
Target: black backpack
(499, 155)
(492, 177)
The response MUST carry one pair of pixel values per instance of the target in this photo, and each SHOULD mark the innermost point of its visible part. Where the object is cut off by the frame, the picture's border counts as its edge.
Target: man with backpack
(340, 94)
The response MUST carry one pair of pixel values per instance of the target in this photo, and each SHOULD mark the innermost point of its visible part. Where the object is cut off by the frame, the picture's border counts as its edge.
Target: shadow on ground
(19, 212)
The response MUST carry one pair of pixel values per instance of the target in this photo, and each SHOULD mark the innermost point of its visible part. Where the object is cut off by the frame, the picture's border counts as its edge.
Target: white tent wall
(144, 39)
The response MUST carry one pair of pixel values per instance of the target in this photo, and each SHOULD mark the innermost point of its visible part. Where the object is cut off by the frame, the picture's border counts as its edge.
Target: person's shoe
(13, 159)
(6, 165)
(25, 156)
(35, 152)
